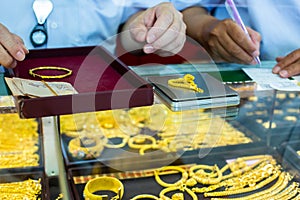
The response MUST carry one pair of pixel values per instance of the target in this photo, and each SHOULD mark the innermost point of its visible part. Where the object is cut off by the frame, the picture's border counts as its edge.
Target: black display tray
(261, 113)
(126, 153)
(138, 181)
(290, 153)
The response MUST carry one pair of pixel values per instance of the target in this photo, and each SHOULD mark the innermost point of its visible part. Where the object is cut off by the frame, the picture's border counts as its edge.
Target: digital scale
(216, 94)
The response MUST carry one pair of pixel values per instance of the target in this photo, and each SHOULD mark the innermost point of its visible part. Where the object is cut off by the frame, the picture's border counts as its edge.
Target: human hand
(161, 30)
(289, 65)
(226, 41)
(12, 48)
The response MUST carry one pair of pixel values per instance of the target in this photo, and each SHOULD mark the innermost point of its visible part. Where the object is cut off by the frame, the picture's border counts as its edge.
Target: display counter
(247, 151)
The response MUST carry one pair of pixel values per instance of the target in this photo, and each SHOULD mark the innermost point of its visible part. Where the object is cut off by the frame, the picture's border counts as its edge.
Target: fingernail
(284, 73)
(150, 38)
(148, 48)
(27, 50)
(276, 69)
(20, 55)
(255, 53)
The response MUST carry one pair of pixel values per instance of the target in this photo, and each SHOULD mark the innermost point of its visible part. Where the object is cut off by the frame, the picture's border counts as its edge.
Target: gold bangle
(31, 72)
(103, 184)
(169, 170)
(145, 196)
(79, 148)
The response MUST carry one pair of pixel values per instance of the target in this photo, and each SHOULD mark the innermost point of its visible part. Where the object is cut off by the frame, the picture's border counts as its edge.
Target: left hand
(289, 65)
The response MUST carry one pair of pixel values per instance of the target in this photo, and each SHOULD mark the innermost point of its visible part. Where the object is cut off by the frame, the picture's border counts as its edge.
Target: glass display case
(247, 151)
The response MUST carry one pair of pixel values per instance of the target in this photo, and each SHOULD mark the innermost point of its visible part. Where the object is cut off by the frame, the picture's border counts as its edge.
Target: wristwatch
(38, 35)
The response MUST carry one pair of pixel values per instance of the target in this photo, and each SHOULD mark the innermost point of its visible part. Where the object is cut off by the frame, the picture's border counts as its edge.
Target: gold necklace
(187, 82)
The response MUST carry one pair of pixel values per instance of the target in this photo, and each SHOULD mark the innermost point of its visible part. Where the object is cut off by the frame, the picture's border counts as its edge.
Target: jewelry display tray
(124, 154)
(103, 82)
(39, 152)
(137, 176)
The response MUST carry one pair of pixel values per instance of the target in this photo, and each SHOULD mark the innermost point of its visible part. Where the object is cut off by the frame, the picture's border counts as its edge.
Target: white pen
(234, 14)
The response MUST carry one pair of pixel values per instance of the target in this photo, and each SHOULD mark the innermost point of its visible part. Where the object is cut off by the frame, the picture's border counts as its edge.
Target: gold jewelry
(206, 178)
(244, 190)
(167, 170)
(86, 147)
(141, 142)
(177, 196)
(28, 189)
(269, 193)
(32, 73)
(103, 184)
(145, 196)
(187, 82)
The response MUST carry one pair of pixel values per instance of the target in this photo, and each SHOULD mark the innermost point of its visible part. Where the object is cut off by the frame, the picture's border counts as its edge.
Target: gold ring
(103, 184)
(68, 72)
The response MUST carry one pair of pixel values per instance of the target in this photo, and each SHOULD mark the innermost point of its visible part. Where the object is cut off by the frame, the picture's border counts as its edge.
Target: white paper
(21, 87)
(266, 80)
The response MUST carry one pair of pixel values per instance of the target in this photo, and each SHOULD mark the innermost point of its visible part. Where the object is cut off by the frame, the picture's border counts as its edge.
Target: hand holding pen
(233, 12)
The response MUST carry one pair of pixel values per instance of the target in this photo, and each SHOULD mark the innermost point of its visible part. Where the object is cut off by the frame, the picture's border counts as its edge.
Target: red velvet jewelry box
(103, 82)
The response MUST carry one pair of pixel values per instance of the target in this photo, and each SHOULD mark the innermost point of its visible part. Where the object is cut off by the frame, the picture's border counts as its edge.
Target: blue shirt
(76, 22)
(278, 22)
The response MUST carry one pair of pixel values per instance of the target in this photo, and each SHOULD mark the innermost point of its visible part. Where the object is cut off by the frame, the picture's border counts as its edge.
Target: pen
(234, 14)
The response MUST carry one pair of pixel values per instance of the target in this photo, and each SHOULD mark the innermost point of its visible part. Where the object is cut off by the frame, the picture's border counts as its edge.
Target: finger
(256, 39)
(172, 39)
(244, 42)
(21, 42)
(286, 62)
(172, 48)
(290, 59)
(6, 59)
(279, 58)
(138, 32)
(291, 70)
(162, 23)
(13, 46)
(233, 51)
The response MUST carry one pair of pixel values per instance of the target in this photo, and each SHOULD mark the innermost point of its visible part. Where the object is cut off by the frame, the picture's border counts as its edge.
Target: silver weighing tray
(215, 94)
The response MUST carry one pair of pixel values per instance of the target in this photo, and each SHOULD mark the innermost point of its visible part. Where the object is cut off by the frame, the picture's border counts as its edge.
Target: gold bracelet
(145, 196)
(168, 170)
(69, 72)
(81, 147)
(103, 184)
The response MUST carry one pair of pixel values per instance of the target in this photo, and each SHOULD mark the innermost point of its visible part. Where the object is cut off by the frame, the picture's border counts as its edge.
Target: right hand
(226, 41)
(12, 48)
